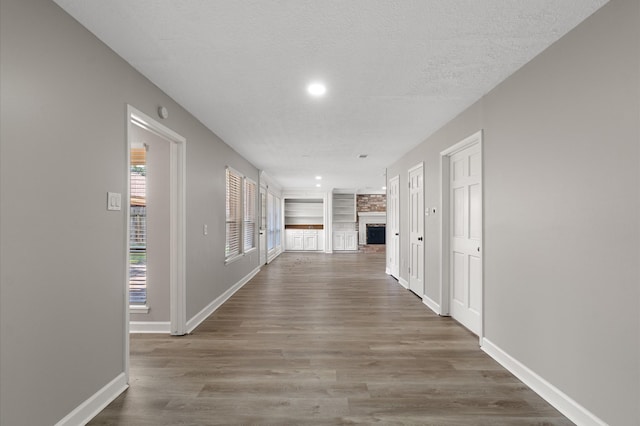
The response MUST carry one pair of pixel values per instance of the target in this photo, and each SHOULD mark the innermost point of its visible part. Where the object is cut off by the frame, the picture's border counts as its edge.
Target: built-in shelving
(344, 207)
(301, 211)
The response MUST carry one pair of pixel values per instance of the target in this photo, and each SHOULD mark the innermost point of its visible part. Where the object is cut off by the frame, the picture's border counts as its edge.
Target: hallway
(322, 339)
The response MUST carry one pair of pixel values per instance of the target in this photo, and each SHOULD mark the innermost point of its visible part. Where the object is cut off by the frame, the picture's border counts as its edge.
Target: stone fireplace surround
(365, 218)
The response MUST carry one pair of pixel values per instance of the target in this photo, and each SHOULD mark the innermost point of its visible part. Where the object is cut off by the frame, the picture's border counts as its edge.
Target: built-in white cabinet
(345, 240)
(351, 240)
(310, 240)
(294, 240)
(304, 239)
(302, 218)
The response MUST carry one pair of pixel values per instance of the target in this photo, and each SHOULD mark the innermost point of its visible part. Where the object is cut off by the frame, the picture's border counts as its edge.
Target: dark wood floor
(322, 339)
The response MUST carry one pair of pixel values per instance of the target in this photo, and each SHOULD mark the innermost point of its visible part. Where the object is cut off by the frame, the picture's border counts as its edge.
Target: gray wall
(62, 260)
(561, 212)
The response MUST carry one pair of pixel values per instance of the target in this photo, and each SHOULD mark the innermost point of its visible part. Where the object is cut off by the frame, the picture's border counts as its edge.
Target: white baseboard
(404, 283)
(163, 327)
(211, 307)
(274, 253)
(431, 304)
(387, 271)
(86, 411)
(554, 396)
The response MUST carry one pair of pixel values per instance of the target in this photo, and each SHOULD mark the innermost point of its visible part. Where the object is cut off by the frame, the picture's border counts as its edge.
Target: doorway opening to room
(155, 219)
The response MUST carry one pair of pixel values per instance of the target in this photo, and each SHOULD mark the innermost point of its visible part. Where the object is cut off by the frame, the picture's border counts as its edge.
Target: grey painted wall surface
(62, 260)
(561, 212)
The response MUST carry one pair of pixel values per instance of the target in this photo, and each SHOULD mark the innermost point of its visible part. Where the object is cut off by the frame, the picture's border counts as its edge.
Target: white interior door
(393, 227)
(416, 230)
(465, 227)
(263, 226)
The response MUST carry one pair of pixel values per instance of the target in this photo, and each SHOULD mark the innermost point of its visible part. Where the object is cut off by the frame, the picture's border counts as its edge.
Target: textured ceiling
(396, 70)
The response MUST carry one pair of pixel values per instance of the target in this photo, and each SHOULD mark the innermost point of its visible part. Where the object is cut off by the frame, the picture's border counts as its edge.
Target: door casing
(418, 211)
(393, 226)
(445, 228)
(177, 228)
(263, 226)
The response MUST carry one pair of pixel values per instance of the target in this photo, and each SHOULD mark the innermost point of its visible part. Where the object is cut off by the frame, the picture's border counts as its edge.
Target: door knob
(397, 233)
(478, 249)
(419, 238)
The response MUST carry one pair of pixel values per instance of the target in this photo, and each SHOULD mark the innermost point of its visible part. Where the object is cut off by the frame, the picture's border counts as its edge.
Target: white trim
(127, 233)
(404, 283)
(178, 297)
(233, 258)
(86, 411)
(387, 270)
(138, 309)
(420, 165)
(431, 304)
(444, 234)
(554, 396)
(219, 301)
(143, 327)
(463, 144)
(445, 155)
(275, 252)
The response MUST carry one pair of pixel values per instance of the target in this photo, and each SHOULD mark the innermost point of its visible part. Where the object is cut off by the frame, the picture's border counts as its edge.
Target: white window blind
(249, 228)
(234, 213)
(138, 227)
(271, 211)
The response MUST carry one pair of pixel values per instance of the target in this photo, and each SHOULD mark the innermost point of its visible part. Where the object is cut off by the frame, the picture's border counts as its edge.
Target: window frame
(237, 217)
(241, 220)
(254, 215)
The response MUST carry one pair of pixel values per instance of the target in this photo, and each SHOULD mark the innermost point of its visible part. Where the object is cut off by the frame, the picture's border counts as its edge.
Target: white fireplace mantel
(365, 218)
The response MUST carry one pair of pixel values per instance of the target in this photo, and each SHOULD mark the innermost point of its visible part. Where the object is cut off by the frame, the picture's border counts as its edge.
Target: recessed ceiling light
(318, 185)
(317, 89)
(384, 188)
(318, 177)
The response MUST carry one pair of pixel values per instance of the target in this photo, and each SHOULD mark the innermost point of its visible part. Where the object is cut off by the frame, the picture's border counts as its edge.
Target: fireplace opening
(376, 233)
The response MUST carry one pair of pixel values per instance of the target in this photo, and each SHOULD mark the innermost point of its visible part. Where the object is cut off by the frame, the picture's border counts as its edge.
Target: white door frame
(419, 166)
(394, 181)
(262, 238)
(177, 228)
(445, 283)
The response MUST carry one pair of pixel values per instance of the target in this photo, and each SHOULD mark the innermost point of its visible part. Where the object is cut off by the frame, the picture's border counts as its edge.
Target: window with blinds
(233, 214)
(271, 236)
(249, 228)
(138, 227)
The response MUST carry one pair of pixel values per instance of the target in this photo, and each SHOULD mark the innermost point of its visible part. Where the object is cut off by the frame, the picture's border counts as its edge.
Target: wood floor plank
(322, 339)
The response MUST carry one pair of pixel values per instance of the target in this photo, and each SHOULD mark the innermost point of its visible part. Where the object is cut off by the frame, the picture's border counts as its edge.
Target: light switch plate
(114, 201)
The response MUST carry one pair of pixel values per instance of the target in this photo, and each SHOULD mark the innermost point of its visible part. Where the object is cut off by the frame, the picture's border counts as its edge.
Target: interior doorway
(393, 227)
(462, 233)
(416, 230)
(169, 162)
